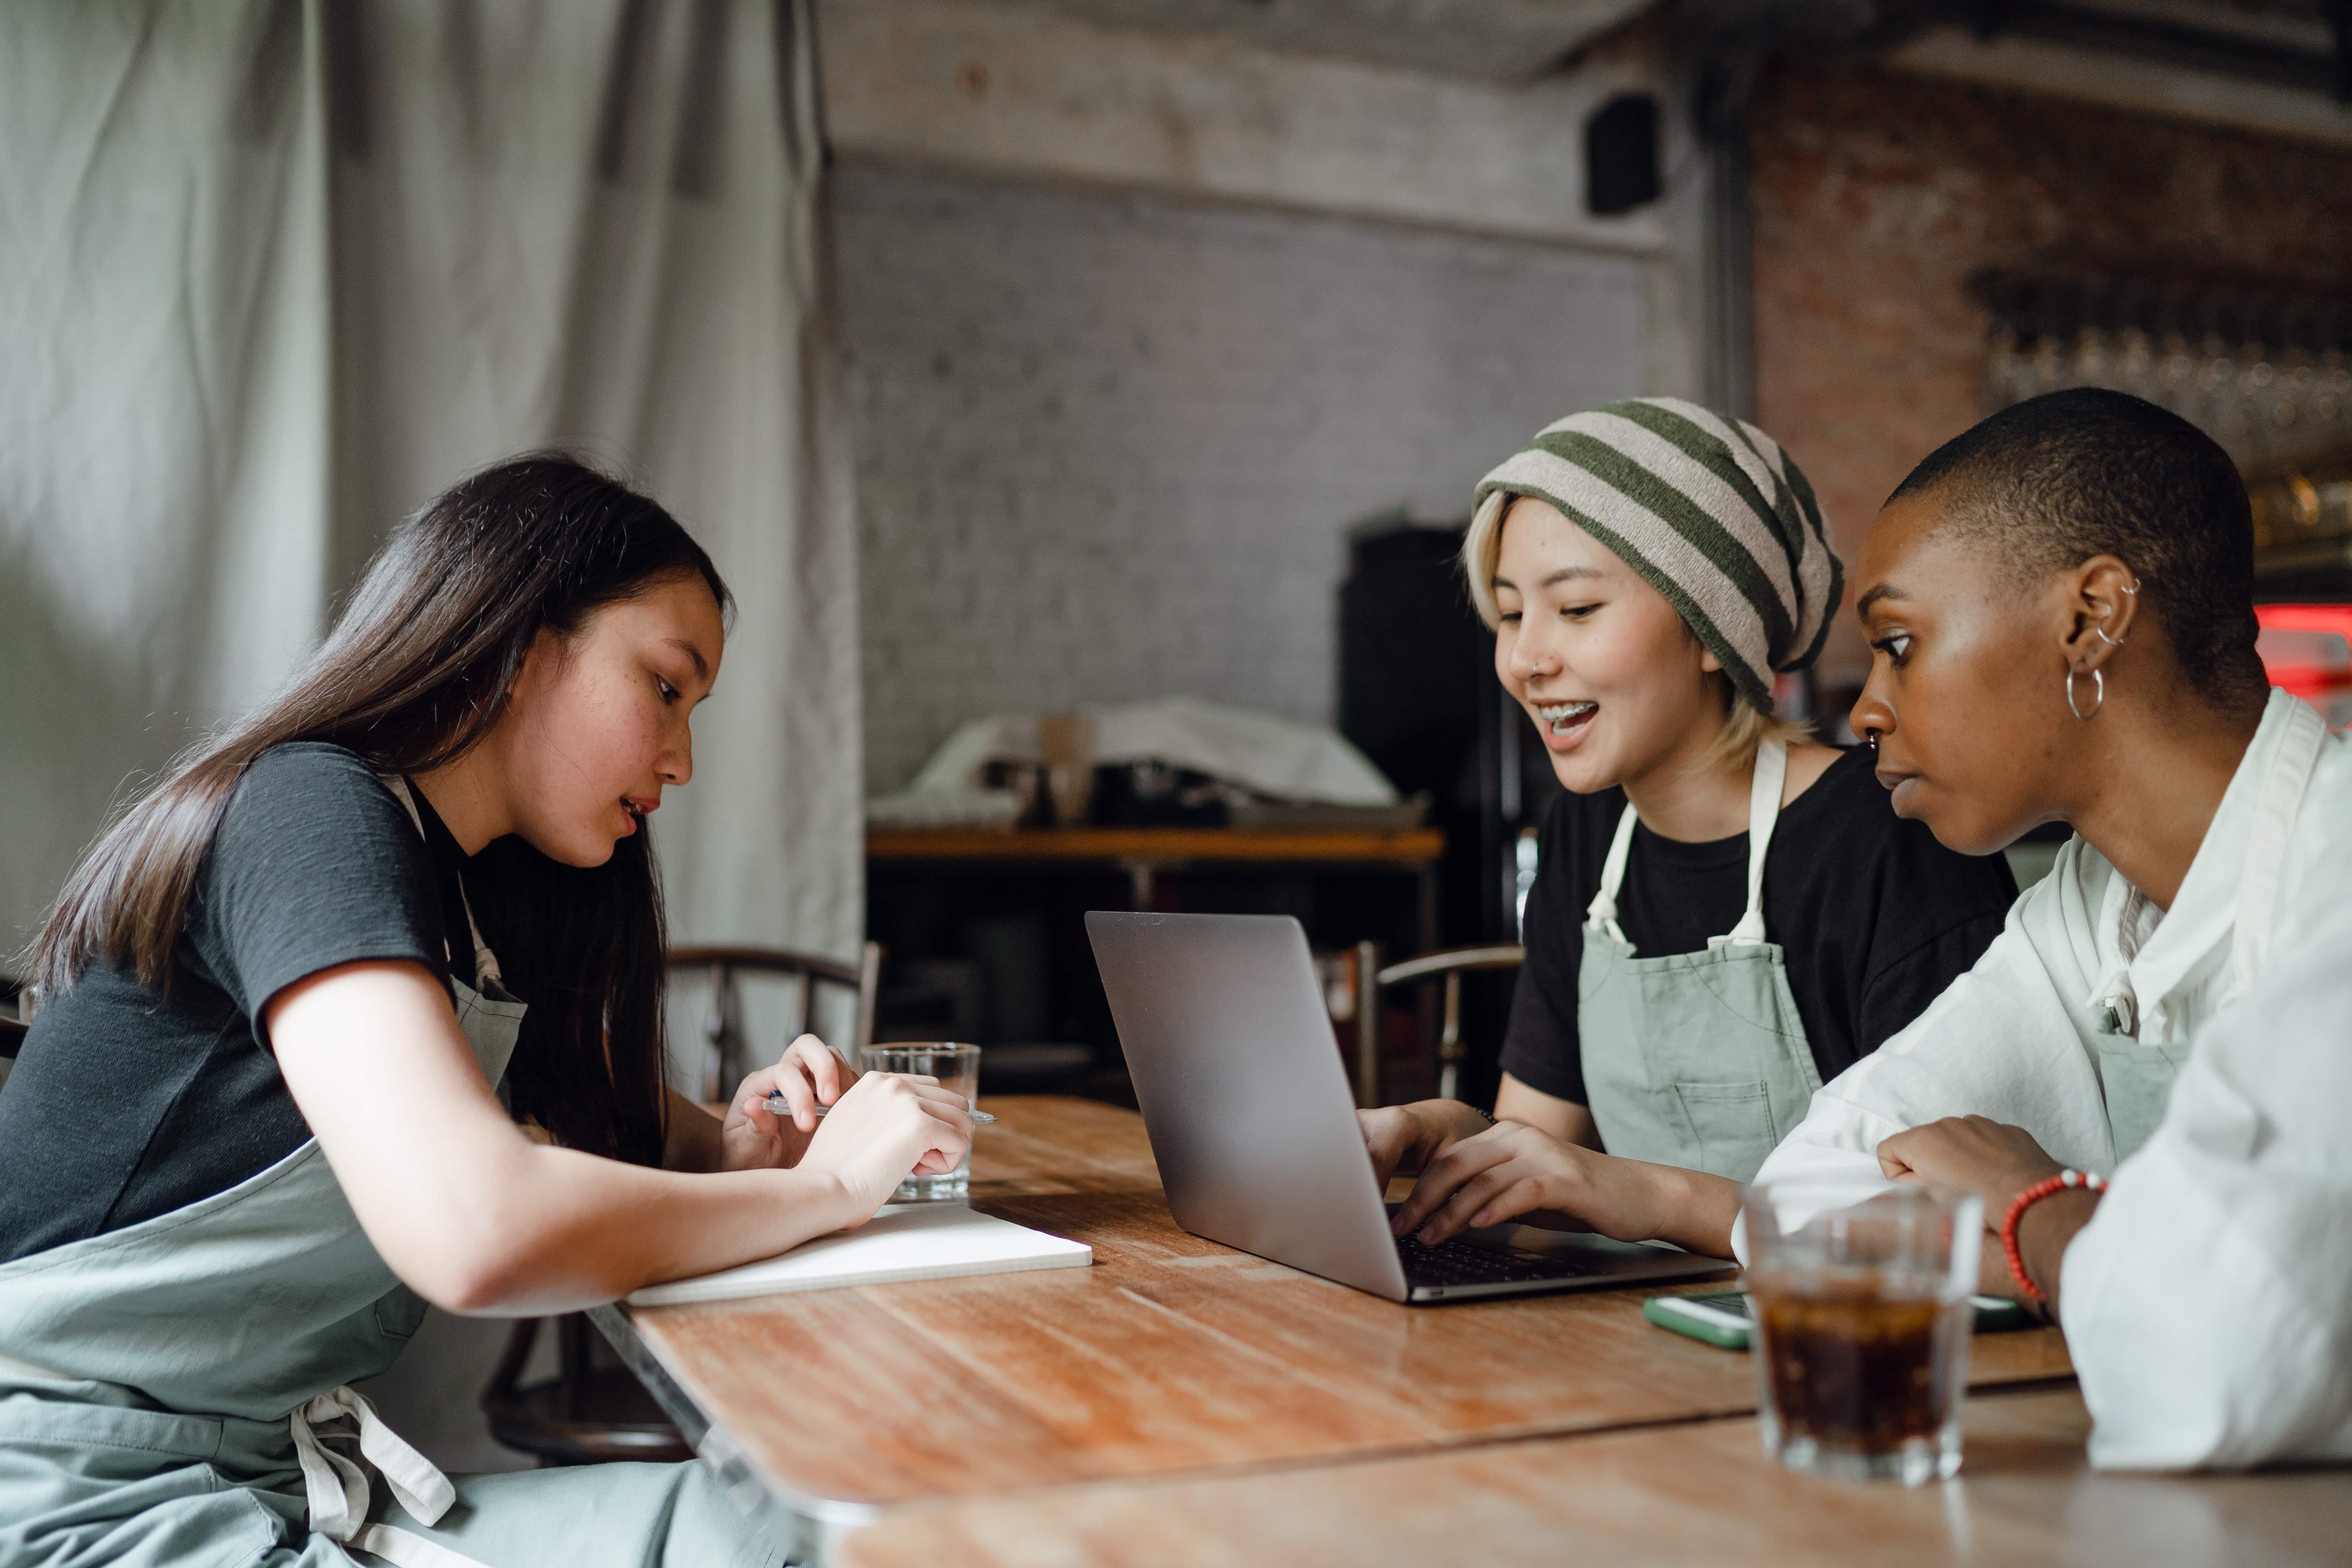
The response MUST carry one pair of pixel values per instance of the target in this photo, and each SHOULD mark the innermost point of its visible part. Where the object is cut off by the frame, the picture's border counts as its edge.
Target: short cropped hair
(2060, 478)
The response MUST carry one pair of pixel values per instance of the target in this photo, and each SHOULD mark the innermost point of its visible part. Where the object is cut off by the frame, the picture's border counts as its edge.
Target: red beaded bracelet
(2026, 1199)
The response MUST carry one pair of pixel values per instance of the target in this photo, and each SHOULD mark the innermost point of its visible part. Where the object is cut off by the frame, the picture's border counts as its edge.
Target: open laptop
(1255, 1127)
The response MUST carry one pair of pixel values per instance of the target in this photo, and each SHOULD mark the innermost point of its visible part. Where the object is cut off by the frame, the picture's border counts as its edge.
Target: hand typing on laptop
(1221, 1021)
(1513, 1172)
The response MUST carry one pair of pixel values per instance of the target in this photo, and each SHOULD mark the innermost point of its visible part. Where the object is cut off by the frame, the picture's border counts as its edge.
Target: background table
(1009, 906)
(1146, 854)
(1171, 1355)
(1702, 1495)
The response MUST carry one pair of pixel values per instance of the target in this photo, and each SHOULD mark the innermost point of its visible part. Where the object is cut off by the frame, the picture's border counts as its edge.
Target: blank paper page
(903, 1241)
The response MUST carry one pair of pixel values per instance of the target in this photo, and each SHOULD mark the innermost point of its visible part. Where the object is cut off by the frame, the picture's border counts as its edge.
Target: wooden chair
(1449, 963)
(723, 1025)
(587, 1413)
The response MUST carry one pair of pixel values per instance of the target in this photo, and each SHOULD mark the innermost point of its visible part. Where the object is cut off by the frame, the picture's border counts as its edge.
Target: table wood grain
(1170, 1355)
(1702, 1495)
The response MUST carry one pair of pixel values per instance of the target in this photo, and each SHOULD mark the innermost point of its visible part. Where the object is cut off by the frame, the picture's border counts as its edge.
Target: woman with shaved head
(2060, 608)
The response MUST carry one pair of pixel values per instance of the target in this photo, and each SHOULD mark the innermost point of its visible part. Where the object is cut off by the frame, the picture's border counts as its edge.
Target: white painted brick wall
(1110, 447)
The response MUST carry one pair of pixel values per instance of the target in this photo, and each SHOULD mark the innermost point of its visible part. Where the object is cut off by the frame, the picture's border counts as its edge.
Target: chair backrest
(1446, 963)
(723, 1025)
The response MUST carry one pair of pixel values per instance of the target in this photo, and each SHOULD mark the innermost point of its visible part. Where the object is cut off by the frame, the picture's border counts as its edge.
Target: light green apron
(1697, 1059)
(2136, 1076)
(175, 1395)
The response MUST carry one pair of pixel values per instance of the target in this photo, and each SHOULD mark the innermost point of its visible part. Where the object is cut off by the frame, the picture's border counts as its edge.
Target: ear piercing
(2098, 686)
(2101, 632)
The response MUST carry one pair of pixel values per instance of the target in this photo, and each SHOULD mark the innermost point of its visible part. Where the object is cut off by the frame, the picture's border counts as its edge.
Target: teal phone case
(1994, 1316)
(1723, 1336)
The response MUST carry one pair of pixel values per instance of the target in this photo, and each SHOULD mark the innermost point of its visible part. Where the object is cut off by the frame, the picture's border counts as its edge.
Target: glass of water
(958, 1070)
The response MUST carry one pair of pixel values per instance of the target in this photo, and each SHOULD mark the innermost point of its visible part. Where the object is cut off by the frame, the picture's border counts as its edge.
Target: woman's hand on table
(809, 1074)
(1512, 1172)
(1970, 1154)
(886, 1127)
(1996, 1162)
(1402, 1139)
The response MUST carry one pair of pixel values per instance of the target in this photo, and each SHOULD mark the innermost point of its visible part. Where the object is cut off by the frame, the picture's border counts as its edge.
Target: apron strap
(335, 1485)
(1601, 914)
(486, 962)
(1772, 774)
(1763, 815)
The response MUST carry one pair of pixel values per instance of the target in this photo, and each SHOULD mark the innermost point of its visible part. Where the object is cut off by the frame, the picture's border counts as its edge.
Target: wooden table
(1701, 1495)
(1170, 1356)
(1146, 854)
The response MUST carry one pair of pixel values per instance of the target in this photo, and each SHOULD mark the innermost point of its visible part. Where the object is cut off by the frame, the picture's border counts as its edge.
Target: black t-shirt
(1873, 917)
(125, 1104)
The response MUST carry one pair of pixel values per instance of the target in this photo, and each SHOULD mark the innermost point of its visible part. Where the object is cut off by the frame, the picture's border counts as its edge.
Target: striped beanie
(1707, 509)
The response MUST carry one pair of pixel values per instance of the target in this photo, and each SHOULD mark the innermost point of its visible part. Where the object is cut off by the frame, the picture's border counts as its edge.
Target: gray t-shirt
(126, 1103)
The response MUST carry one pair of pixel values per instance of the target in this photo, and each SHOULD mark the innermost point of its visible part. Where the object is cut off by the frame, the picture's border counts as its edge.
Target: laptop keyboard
(1458, 1262)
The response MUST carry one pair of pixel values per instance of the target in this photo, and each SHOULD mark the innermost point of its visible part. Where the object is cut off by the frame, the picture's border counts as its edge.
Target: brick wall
(1108, 447)
(1877, 195)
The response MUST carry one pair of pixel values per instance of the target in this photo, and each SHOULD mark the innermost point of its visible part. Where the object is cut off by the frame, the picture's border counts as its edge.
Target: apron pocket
(401, 1313)
(1733, 1123)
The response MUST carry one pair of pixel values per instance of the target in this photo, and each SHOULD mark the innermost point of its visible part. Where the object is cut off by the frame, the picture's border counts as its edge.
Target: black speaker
(1621, 155)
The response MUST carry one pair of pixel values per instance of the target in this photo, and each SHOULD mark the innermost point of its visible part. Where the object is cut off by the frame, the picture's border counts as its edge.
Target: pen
(782, 1107)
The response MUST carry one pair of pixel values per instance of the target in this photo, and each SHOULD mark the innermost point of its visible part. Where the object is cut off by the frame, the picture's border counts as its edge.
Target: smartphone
(1720, 1316)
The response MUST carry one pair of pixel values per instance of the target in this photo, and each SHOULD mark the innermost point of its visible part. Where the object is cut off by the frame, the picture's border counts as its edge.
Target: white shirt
(2015, 1038)
(2209, 1302)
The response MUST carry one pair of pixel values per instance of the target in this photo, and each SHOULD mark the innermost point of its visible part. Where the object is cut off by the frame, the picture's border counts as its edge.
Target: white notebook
(902, 1241)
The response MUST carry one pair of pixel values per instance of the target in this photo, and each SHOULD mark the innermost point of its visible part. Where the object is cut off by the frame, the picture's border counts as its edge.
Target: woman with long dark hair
(359, 1008)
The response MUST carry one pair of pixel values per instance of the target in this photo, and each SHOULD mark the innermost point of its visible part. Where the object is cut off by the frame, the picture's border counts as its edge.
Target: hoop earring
(2098, 686)
(2101, 633)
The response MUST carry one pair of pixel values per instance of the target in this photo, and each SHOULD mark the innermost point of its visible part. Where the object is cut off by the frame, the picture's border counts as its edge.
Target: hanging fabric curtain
(273, 273)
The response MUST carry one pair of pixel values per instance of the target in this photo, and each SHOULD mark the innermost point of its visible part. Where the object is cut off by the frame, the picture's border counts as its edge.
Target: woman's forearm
(1696, 1211)
(570, 1230)
(472, 1213)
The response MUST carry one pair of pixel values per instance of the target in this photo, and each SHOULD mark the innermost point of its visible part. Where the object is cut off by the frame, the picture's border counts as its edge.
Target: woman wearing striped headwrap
(1727, 913)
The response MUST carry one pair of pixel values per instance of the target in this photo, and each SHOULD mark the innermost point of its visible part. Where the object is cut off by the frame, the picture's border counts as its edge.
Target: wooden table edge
(874, 1512)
